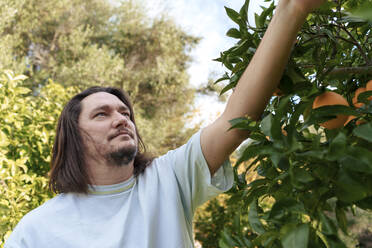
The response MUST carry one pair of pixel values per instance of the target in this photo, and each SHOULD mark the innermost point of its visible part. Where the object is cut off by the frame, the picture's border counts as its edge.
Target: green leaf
(226, 240)
(337, 146)
(301, 175)
(244, 11)
(257, 19)
(267, 170)
(225, 77)
(233, 59)
(364, 96)
(333, 110)
(22, 90)
(249, 152)
(281, 111)
(254, 220)
(349, 188)
(295, 236)
(357, 159)
(364, 11)
(227, 88)
(236, 221)
(257, 182)
(295, 74)
(266, 239)
(286, 84)
(9, 74)
(318, 154)
(241, 47)
(365, 204)
(282, 163)
(243, 123)
(327, 225)
(222, 243)
(234, 16)
(234, 33)
(266, 125)
(364, 132)
(341, 219)
(284, 206)
(20, 78)
(325, 113)
(332, 241)
(254, 193)
(4, 141)
(264, 14)
(338, 143)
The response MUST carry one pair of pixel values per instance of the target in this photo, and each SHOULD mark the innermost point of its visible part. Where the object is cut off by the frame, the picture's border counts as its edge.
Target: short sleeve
(194, 180)
(17, 238)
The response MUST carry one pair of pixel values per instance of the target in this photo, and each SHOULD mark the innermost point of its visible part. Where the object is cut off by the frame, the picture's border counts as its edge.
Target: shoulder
(31, 223)
(191, 147)
(37, 214)
(181, 162)
(46, 212)
(181, 158)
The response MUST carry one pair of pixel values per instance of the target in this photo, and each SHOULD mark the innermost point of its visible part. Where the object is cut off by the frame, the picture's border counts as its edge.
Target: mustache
(121, 131)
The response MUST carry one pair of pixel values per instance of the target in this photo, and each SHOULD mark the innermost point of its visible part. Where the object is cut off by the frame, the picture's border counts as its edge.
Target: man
(112, 195)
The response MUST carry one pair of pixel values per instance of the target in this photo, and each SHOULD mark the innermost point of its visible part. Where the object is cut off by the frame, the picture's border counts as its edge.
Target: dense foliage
(27, 130)
(309, 177)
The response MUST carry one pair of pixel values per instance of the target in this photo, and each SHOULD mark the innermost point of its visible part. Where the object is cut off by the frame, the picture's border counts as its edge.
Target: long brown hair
(68, 170)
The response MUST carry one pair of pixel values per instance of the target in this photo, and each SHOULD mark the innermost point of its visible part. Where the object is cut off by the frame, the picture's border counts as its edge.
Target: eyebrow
(107, 107)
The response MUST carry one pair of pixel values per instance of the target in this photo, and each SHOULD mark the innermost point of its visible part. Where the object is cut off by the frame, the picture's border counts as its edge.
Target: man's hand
(303, 7)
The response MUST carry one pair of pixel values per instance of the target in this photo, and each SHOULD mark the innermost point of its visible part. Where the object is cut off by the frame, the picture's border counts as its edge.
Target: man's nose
(120, 120)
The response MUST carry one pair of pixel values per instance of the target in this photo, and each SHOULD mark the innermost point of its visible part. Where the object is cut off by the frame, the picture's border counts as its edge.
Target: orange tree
(310, 176)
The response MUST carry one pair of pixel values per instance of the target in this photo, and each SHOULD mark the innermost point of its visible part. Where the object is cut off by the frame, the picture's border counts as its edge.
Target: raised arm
(258, 81)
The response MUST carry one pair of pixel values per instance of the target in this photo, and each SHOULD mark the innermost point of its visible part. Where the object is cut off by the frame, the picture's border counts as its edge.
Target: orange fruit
(359, 104)
(352, 117)
(369, 85)
(278, 92)
(329, 98)
(355, 98)
(284, 132)
(368, 88)
(360, 122)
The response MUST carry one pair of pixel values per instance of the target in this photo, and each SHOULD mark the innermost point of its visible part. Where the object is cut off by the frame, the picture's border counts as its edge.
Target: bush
(27, 123)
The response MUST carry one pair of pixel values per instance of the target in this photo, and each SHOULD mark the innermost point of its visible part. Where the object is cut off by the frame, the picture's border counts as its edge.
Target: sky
(206, 19)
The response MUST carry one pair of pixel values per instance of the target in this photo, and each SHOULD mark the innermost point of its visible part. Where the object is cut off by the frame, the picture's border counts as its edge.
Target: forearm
(263, 74)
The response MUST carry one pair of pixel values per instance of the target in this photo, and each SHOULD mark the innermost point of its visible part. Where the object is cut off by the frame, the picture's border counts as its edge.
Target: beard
(122, 156)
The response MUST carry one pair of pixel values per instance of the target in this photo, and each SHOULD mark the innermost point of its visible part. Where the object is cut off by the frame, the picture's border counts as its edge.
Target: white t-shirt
(153, 210)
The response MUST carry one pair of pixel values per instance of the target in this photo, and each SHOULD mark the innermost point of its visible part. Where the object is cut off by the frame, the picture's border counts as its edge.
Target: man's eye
(100, 114)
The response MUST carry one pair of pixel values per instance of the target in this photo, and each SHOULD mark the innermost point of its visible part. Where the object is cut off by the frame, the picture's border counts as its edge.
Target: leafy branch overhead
(310, 174)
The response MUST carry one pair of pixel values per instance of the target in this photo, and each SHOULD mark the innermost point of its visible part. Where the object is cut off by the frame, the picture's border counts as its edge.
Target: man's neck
(102, 173)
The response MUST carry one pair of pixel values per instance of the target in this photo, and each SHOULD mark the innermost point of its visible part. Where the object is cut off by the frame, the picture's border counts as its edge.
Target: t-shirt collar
(113, 188)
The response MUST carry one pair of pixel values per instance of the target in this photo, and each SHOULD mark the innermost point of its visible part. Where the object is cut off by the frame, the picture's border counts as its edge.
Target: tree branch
(342, 70)
(361, 50)
(351, 70)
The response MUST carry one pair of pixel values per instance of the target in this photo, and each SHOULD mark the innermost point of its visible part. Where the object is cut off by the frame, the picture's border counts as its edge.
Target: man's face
(107, 130)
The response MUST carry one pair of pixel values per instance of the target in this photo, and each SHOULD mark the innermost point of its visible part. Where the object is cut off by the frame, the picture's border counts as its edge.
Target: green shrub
(27, 130)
